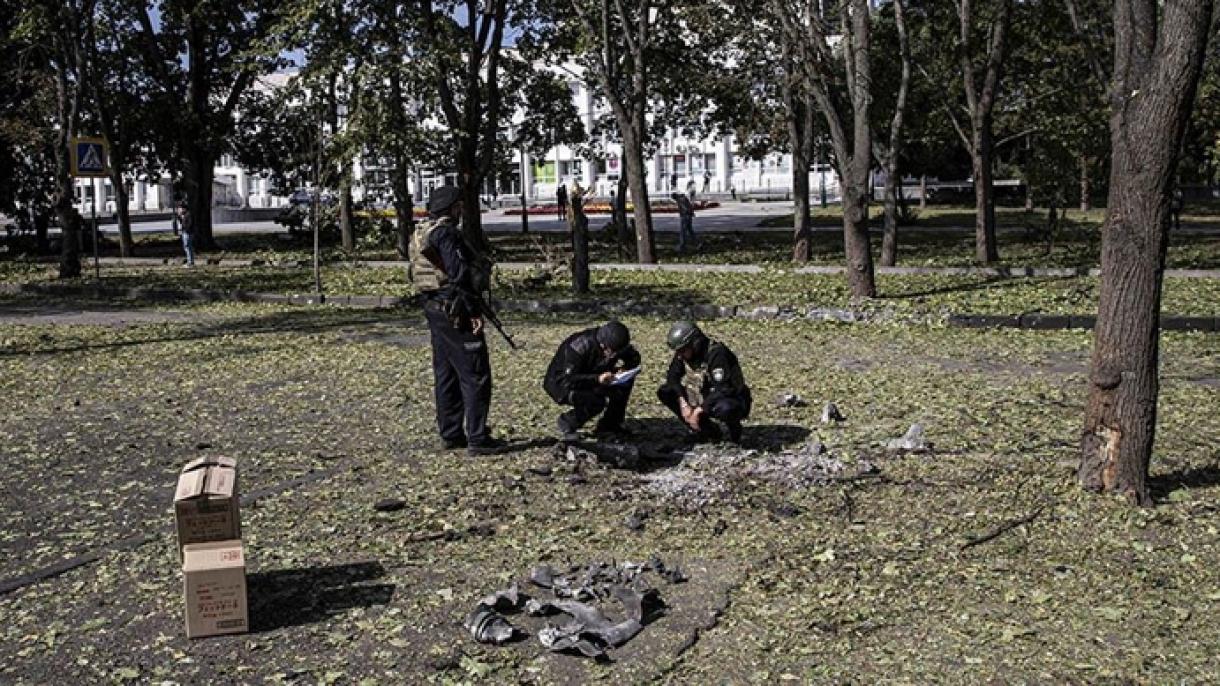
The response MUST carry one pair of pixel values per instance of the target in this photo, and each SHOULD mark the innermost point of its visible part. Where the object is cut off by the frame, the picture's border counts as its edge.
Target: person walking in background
(686, 218)
(707, 181)
(690, 188)
(187, 228)
(561, 201)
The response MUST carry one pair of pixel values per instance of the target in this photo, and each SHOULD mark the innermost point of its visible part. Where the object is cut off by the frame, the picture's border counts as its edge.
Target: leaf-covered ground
(932, 295)
(861, 580)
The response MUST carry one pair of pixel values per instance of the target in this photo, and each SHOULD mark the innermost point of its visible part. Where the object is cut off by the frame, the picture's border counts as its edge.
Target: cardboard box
(207, 502)
(214, 587)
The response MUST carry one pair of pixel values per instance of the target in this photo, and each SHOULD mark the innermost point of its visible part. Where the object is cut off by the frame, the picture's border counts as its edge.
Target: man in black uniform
(582, 374)
(704, 383)
(451, 278)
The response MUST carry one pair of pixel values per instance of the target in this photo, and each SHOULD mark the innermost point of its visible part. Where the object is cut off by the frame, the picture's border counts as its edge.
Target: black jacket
(722, 375)
(579, 361)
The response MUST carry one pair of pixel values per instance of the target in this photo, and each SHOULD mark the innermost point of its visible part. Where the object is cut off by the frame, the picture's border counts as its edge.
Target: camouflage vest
(424, 266)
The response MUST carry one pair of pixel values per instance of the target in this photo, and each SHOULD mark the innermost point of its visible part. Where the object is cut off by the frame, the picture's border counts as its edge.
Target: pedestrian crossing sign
(90, 156)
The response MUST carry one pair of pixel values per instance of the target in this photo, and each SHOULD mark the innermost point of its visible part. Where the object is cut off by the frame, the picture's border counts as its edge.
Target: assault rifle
(490, 315)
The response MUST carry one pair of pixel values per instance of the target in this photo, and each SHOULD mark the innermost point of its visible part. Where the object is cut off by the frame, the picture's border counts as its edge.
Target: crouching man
(704, 384)
(583, 375)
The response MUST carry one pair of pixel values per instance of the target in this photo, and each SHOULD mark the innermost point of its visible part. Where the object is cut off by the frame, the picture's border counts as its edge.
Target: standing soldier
(451, 278)
(704, 383)
(583, 374)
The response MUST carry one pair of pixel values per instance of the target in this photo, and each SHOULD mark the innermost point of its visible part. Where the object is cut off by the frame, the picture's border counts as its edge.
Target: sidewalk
(687, 267)
(602, 308)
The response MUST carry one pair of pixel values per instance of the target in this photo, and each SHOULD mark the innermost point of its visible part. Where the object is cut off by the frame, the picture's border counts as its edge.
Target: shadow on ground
(1190, 478)
(292, 597)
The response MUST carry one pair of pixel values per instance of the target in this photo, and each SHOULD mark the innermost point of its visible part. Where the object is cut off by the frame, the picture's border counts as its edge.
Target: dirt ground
(883, 573)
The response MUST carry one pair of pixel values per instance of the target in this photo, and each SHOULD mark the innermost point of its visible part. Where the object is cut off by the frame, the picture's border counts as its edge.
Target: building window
(544, 172)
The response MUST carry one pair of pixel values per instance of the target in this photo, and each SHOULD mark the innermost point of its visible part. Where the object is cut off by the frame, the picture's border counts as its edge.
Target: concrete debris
(790, 400)
(389, 505)
(830, 413)
(616, 455)
(913, 441)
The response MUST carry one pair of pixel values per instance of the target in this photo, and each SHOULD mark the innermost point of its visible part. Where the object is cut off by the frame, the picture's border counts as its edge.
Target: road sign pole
(97, 265)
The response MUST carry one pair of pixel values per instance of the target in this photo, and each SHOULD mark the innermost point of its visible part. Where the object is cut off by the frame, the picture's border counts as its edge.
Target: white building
(706, 166)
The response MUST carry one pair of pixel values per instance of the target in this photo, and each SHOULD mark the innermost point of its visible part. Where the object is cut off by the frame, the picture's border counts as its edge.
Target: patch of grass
(857, 581)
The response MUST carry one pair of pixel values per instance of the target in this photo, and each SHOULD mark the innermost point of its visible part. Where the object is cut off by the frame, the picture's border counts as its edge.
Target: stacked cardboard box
(206, 508)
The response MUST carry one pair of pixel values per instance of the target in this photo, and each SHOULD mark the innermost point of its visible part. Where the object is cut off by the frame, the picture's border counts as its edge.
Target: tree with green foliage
(845, 103)
(203, 57)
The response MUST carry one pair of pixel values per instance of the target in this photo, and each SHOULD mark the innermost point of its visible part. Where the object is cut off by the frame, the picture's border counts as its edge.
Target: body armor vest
(425, 268)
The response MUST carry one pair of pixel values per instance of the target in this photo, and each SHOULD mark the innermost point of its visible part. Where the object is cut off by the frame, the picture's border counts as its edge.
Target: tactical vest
(695, 378)
(423, 268)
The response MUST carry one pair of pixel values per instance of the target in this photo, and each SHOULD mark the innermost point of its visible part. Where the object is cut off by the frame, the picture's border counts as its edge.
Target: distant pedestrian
(733, 191)
(673, 182)
(561, 201)
(186, 226)
(686, 218)
(707, 181)
(690, 188)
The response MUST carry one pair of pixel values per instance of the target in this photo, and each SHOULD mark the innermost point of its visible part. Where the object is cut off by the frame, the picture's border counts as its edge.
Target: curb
(1033, 321)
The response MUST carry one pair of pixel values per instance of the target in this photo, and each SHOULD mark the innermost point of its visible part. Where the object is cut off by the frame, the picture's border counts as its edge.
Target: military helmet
(442, 199)
(613, 335)
(682, 334)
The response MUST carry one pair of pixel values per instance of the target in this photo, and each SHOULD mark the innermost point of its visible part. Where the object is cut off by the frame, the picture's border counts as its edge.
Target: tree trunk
(469, 182)
(404, 206)
(855, 241)
(121, 210)
(69, 224)
(200, 170)
(1086, 185)
(923, 192)
(985, 250)
(1155, 78)
(625, 237)
(579, 225)
(346, 231)
(889, 234)
(42, 241)
(633, 154)
(802, 221)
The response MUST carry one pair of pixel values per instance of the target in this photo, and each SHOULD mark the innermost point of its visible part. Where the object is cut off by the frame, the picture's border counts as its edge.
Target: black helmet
(442, 199)
(614, 335)
(682, 334)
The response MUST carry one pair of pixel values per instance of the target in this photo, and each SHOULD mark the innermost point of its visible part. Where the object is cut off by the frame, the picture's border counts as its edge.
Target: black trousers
(728, 410)
(587, 404)
(462, 371)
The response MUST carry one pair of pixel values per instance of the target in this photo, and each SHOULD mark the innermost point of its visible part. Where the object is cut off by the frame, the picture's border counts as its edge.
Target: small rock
(719, 527)
(202, 446)
(577, 479)
(635, 521)
(912, 441)
(830, 413)
(790, 400)
(787, 510)
(390, 505)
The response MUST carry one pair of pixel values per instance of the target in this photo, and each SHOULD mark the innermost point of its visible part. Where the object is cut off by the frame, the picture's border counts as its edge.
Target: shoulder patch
(581, 344)
(718, 374)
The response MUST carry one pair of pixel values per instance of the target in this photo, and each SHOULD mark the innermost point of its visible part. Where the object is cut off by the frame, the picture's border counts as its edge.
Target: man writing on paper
(593, 370)
(704, 383)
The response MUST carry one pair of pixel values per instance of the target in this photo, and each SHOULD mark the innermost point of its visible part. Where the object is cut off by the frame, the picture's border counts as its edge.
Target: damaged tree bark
(1158, 57)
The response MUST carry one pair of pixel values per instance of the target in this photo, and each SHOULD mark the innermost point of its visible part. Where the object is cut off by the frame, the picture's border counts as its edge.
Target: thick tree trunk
(200, 170)
(1154, 85)
(985, 250)
(889, 233)
(633, 154)
(469, 182)
(70, 236)
(1086, 185)
(579, 225)
(923, 191)
(625, 237)
(856, 242)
